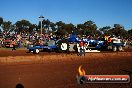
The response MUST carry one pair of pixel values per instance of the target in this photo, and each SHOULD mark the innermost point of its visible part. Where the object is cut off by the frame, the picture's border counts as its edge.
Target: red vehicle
(8, 43)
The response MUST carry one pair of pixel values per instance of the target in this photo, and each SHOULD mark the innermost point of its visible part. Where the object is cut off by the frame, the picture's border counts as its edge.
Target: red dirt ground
(5, 53)
(51, 70)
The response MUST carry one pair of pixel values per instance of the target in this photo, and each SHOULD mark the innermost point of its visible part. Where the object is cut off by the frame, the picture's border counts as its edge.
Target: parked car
(8, 43)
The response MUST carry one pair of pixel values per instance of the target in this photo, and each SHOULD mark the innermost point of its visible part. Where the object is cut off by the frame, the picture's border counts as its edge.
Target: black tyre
(114, 48)
(63, 46)
(120, 48)
(36, 51)
(50, 50)
(75, 48)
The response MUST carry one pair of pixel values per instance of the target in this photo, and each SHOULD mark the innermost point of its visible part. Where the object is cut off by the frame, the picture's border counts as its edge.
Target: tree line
(60, 28)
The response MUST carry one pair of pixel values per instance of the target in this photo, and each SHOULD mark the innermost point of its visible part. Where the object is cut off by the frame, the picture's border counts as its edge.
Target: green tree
(53, 26)
(1, 21)
(105, 30)
(23, 26)
(89, 28)
(80, 26)
(60, 26)
(80, 29)
(90, 25)
(32, 28)
(6, 26)
(118, 30)
(130, 32)
(46, 25)
(69, 28)
(12, 28)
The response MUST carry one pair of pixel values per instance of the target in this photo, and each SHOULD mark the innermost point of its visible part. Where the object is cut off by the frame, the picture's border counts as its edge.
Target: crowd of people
(22, 40)
(8, 40)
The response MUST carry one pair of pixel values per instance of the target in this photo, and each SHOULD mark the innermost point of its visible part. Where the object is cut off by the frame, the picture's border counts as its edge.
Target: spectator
(14, 44)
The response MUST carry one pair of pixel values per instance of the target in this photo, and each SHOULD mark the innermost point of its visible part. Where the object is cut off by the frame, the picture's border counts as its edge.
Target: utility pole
(41, 18)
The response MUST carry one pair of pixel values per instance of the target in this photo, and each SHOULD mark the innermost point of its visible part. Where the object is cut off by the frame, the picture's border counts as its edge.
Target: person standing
(82, 49)
(14, 44)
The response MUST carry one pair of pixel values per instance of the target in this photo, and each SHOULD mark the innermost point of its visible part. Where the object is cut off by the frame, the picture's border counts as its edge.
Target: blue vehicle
(49, 46)
(72, 45)
(99, 45)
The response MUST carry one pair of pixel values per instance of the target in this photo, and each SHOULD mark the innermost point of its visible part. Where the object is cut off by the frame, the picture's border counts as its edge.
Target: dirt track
(59, 71)
(9, 52)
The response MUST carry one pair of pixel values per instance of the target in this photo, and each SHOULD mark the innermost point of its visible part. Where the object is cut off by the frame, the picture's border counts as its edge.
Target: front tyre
(36, 51)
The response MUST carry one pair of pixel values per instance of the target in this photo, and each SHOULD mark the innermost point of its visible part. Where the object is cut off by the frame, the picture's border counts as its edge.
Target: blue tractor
(71, 44)
(47, 46)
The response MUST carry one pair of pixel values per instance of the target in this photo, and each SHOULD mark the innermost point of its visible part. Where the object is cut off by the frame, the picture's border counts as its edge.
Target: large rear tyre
(114, 48)
(63, 46)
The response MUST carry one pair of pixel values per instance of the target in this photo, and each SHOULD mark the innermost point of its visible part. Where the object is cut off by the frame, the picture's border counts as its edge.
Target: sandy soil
(50, 70)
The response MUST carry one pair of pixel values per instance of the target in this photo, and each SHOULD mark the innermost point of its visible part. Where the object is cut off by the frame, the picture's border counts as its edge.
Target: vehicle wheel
(75, 48)
(114, 48)
(36, 51)
(51, 50)
(63, 46)
(120, 48)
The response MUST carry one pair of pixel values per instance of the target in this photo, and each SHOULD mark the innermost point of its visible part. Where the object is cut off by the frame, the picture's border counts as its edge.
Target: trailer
(48, 46)
(116, 44)
(95, 45)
